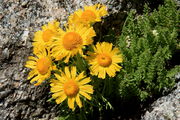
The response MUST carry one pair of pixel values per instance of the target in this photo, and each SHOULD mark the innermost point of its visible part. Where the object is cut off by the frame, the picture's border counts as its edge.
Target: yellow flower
(41, 66)
(89, 15)
(72, 41)
(71, 86)
(43, 38)
(104, 60)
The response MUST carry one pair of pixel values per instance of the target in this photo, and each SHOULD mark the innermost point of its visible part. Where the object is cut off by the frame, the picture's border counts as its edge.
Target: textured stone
(19, 19)
(165, 108)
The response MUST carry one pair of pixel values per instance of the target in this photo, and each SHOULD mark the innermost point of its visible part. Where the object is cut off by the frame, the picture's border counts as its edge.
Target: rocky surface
(165, 108)
(19, 19)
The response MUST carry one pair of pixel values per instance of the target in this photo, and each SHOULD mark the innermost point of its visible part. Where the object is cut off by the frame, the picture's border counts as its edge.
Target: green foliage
(147, 43)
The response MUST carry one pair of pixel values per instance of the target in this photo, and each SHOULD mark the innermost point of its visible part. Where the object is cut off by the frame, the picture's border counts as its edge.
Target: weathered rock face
(19, 19)
(18, 98)
(165, 108)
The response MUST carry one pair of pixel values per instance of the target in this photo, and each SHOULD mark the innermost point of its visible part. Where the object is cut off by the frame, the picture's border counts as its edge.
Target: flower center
(72, 40)
(71, 88)
(88, 15)
(47, 34)
(104, 60)
(43, 65)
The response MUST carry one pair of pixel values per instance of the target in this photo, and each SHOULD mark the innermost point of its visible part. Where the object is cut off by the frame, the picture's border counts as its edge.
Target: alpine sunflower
(72, 41)
(104, 60)
(41, 66)
(71, 86)
(43, 38)
(89, 15)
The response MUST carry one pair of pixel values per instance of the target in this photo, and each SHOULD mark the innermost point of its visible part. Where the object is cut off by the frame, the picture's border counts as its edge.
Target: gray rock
(165, 108)
(19, 19)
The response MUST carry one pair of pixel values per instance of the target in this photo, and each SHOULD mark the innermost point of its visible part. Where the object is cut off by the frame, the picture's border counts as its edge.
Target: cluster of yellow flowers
(55, 44)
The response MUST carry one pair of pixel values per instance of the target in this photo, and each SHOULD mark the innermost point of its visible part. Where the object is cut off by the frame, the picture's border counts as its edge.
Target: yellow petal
(116, 67)
(36, 78)
(80, 76)
(67, 72)
(103, 11)
(30, 66)
(53, 82)
(98, 48)
(32, 58)
(57, 94)
(61, 99)
(73, 72)
(87, 88)
(117, 59)
(108, 47)
(31, 63)
(95, 67)
(56, 88)
(32, 74)
(38, 83)
(85, 95)
(67, 58)
(102, 73)
(115, 51)
(111, 72)
(59, 78)
(85, 81)
(71, 102)
(78, 101)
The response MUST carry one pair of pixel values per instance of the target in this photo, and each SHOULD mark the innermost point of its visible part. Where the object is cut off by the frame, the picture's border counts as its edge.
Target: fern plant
(147, 43)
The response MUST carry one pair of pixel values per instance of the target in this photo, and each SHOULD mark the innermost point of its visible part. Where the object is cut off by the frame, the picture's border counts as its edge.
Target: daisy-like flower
(104, 60)
(71, 86)
(71, 42)
(43, 38)
(41, 66)
(89, 15)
